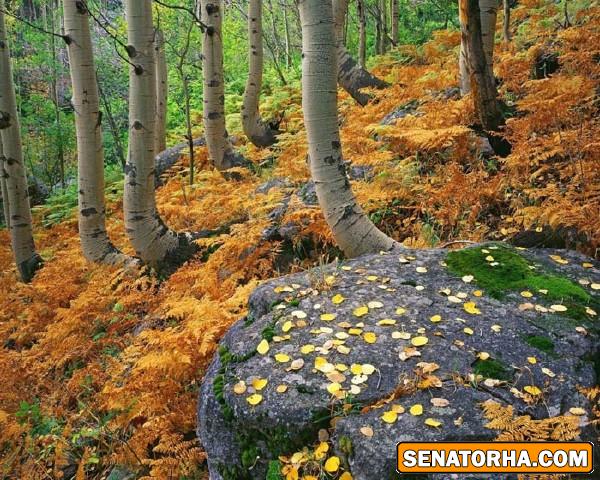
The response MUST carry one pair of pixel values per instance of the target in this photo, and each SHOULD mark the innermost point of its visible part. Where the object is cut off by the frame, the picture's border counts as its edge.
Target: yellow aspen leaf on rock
(419, 341)
(263, 347)
(346, 476)
(478, 293)
(399, 409)
(471, 308)
(432, 422)
(595, 286)
(400, 311)
(401, 335)
(496, 328)
(356, 368)
(334, 387)
(332, 465)
(361, 311)
(468, 278)
(439, 402)
(483, 355)
(370, 337)
(416, 410)
(296, 364)
(299, 314)
(389, 416)
(577, 411)
(321, 450)
(337, 299)
(386, 322)
(587, 265)
(532, 390)
(282, 357)
(328, 317)
(281, 388)
(547, 371)
(287, 326)
(590, 311)
(306, 349)
(368, 369)
(239, 388)
(259, 383)
(421, 269)
(558, 259)
(343, 349)
(254, 399)
(532, 360)
(468, 331)
(526, 294)
(372, 278)
(558, 308)
(366, 431)
(489, 258)
(436, 318)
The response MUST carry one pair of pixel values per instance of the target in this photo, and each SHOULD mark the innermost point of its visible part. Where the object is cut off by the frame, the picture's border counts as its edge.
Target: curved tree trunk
(162, 92)
(351, 76)
(260, 133)
(352, 229)
(506, 22)
(220, 151)
(26, 258)
(95, 243)
(488, 15)
(154, 243)
(482, 79)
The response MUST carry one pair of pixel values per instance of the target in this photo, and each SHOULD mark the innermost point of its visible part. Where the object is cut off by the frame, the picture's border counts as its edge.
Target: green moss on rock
(492, 368)
(544, 344)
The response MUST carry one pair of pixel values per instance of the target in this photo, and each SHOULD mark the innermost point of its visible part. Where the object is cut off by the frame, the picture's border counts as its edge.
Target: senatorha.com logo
(496, 457)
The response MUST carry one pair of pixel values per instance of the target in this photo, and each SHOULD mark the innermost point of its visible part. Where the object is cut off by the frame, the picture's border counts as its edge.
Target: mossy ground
(512, 272)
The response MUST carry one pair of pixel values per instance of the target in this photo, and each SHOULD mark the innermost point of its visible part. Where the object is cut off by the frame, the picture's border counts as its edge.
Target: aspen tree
(351, 76)
(19, 222)
(162, 92)
(259, 132)
(95, 244)
(352, 229)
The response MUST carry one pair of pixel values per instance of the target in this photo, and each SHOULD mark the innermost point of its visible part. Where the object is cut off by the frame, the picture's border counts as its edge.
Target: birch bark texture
(150, 237)
(395, 22)
(506, 21)
(351, 76)
(220, 151)
(95, 244)
(5, 205)
(488, 15)
(352, 229)
(19, 218)
(483, 86)
(258, 131)
(162, 92)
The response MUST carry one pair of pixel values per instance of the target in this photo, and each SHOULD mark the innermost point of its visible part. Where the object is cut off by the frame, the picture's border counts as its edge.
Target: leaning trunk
(220, 151)
(162, 92)
(258, 131)
(488, 14)
(482, 79)
(151, 239)
(95, 243)
(351, 76)
(26, 258)
(352, 229)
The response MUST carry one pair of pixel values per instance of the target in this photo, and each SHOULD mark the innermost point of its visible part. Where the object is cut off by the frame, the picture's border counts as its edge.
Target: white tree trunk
(220, 150)
(5, 205)
(162, 92)
(152, 240)
(26, 258)
(395, 21)
(352, 229)
(259, 132)
(488, 15)
(351, 76)
(95, 243)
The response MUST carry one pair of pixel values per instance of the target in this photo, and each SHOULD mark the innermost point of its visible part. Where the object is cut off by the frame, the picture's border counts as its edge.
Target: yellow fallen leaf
(296, 364)
(254, 399)
(263, 347)
(587, 265)
(389, 416)
(334, 387)
(558, 308)
(468, 278)
(400, 311)
(306, 349)
(532, 360)
(287, 326)
(332, 465)
(375, 304)
(483, 355)
(432, 422)
(471, 308)
(419, 341)
(282, 357)
(468, 331)
(299, 314)
(532, 390)
(416, 410)
(368, 369)
(558, 259)
(577, 411)
(337, 299)
(370, 337)
(489, 258)
(372, 278)
(478, 293)
(240, 388)
(496, 328)
(547, 371)
(595, 286)
(328, 317)
(526, 294)
(259, 383)
(320, 451)
(386, 322)
(421, 270)
(344, 476)
(436, 318)
(360, 311)
(356, 368)
(398, 409)
(281, 388)
(366, 431)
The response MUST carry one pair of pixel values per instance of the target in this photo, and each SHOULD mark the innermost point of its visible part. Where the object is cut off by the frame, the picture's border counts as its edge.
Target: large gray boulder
(526, 319)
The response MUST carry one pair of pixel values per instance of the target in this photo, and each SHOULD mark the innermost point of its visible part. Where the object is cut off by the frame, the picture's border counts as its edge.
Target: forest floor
(101, 367)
